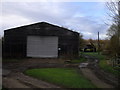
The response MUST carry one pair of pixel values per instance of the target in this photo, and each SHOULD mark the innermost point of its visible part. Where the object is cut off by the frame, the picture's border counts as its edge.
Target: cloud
(17, 20)
(89, 28)
(75, 16)
(57, 0)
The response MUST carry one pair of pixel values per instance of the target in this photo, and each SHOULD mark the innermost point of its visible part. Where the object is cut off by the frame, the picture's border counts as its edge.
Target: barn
(40, 40)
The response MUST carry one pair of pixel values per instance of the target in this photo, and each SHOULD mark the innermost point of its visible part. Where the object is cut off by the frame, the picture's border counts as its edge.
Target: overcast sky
(85, 17)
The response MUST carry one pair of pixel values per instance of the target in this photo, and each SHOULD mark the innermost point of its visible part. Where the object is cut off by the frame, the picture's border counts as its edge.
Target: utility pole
(98, 44)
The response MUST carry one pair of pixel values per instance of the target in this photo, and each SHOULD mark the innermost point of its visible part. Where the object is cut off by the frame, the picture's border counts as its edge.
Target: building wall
(14, 44)
(15, 40)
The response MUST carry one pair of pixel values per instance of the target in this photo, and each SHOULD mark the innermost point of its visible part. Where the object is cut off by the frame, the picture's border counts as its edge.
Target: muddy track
(15, 69)
(101, 74)
(94, 79)
(23, 81)
(14, 78)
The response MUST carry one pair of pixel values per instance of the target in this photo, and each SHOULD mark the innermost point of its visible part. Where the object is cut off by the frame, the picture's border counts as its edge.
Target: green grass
(65, 77)
(114, 70)
(95, 54)
(103, 63)
(79, 60)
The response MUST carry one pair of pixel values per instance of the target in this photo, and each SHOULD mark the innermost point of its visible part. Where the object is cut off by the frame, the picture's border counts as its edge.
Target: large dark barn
(40, 40)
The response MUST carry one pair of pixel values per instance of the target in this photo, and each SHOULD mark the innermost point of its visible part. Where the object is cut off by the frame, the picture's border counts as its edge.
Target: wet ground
(14, 78)
(101, 74)
(94, 79)
(19, 80)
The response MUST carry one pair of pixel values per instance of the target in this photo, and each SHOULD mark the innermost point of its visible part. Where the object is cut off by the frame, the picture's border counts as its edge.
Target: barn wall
(15, 40)
(14, 43)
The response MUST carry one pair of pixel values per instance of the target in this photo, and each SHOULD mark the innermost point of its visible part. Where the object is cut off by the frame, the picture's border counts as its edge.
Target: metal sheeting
(42, 46)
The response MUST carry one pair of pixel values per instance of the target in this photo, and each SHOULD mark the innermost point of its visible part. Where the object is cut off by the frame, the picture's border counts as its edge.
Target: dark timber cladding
(15, 40)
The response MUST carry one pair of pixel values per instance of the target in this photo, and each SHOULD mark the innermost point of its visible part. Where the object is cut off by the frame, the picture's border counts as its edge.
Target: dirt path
(93, 78)
(34, 82)
(13, 83)
(97, 76)
(14, 78)
(19, 80)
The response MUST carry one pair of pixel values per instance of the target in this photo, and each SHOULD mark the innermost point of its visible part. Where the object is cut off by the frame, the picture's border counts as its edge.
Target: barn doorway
(42, 46)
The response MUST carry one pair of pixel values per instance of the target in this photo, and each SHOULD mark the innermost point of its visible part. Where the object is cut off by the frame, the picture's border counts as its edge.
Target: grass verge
(95, 54)
(65, 77)
(113, 70)
(79, 60)
(103, 63)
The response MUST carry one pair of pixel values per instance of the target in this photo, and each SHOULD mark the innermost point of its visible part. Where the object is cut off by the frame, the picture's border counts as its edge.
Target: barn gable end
(64, 42)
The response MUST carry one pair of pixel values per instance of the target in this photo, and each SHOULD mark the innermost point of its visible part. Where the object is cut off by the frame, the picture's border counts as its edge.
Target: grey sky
(84, 17)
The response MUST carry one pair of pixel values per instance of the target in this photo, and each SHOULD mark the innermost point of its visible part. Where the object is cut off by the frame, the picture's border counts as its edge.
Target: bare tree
(114, 10)
(114, 30)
